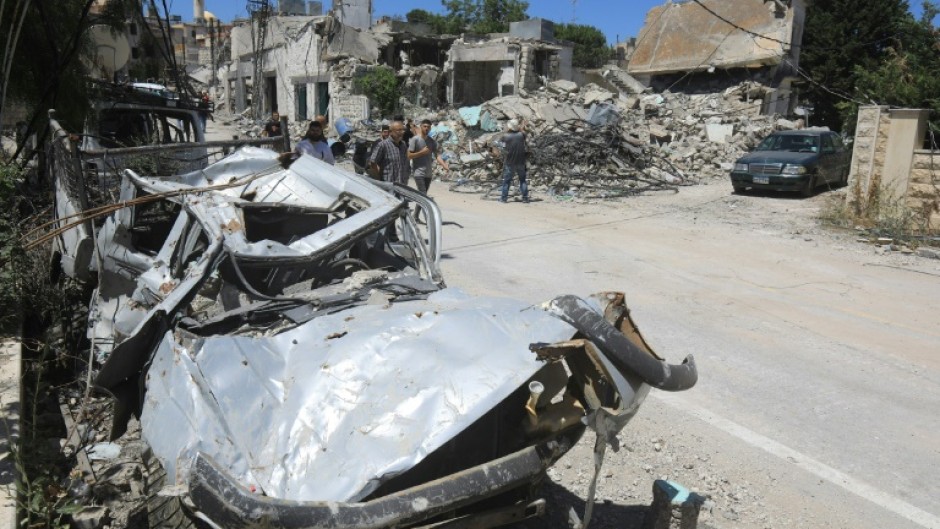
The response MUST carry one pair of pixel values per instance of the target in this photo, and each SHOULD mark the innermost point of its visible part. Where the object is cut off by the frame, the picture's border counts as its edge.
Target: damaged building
(482, 68)
(294, 78)
(305, 62)
(682, 45)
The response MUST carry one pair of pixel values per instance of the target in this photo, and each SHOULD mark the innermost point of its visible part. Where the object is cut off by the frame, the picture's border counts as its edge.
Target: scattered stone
(91, 518)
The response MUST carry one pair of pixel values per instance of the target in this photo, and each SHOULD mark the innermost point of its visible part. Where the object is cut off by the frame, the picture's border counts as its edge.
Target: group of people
(396, 157)
(407, 151)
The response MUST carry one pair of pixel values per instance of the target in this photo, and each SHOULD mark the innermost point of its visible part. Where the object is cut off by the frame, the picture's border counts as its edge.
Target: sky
(613, 17)
(617, 19)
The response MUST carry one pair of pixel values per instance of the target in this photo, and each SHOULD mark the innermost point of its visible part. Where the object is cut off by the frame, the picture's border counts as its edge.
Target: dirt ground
(818, 353)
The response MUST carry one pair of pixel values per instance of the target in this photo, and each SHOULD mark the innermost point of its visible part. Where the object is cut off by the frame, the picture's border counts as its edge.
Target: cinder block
(673, 507)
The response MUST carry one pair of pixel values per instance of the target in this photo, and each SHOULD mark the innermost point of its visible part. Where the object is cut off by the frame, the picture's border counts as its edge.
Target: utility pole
(259, 11)
(212, 37)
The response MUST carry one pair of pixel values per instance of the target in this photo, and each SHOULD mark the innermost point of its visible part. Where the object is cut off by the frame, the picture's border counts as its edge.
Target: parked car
(294, 366)
(794, 160)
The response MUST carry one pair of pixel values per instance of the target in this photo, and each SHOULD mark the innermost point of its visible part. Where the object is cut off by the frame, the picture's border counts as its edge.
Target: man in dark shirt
(390, 161)
(514, 161)
(390, 157)
(272, 129)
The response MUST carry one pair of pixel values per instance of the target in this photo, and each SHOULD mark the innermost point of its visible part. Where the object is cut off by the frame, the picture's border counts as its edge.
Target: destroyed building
(294, 78)
(683, 44)
(305, 62)
(528, 57)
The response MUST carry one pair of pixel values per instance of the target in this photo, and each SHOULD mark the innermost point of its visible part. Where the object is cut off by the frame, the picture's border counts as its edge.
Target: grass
(883, 214)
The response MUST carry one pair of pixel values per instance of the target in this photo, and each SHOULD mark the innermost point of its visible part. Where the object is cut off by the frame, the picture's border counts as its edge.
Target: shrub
(381, 87)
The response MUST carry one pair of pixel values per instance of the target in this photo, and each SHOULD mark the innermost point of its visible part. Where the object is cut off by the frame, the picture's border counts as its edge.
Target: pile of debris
(592, 142)
(585, 141)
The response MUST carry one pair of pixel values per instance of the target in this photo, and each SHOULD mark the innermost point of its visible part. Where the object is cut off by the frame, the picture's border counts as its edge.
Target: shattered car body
(88, 173)
(293, 365)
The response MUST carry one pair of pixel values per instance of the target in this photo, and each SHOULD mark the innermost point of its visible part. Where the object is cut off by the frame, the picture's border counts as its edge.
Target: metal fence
(92, 178)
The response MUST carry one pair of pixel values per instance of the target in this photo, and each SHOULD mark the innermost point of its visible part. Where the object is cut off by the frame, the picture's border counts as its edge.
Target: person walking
(389, 160)
(314, 144)
(515, 159)
(422, 151)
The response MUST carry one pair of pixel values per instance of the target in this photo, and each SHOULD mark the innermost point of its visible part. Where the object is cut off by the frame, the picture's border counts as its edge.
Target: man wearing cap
(514, 161)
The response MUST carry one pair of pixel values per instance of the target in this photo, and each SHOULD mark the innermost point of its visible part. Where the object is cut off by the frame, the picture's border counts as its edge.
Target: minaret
(199, 10)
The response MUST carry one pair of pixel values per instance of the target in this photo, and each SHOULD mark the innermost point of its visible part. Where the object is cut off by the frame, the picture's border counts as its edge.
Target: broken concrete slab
(706, 41)
(562, 86)
(719, 133)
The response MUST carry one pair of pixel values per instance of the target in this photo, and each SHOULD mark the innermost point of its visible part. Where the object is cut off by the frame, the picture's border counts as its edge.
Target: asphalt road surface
(818, 402)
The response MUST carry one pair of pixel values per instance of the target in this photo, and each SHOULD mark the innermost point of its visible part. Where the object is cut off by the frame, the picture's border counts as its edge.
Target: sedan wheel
(809, 188)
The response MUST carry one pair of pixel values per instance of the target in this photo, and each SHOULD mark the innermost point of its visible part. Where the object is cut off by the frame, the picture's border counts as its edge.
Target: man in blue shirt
(514, 162)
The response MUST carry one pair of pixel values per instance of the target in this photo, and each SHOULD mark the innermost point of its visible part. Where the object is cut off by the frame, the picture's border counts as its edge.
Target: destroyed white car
(292, 365)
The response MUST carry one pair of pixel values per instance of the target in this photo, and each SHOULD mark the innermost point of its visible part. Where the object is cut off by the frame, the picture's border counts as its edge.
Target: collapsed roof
(699, 35)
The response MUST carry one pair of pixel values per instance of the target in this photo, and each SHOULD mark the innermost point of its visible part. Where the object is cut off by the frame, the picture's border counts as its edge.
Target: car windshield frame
(790, 143)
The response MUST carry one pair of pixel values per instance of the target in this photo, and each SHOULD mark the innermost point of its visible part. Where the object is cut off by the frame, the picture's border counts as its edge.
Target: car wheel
(164, 512)
(844, 181)
(738, 190)
(809, 188)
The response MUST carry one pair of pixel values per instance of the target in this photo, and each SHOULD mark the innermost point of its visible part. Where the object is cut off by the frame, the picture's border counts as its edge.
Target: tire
(163, 512)
(738, 190)
(844, 181)
(810, 187)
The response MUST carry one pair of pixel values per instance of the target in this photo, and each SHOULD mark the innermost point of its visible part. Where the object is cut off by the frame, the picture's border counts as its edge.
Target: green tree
(485, 16)
(908, 75)
(590, 45)
(440, 24)
(842, 38)
(45, 43)
(382, 88)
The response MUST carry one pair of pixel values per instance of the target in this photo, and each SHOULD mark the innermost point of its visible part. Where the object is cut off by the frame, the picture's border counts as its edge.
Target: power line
(791, 44)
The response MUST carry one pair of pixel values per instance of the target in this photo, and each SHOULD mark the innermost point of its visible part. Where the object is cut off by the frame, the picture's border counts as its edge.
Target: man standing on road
(422, 151)
(314, 144)
(514, 161)
(272, 129)
(389, 160)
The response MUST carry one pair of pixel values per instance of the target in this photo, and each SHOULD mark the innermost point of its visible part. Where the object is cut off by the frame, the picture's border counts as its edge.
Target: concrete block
(673, 507)
(719, 133)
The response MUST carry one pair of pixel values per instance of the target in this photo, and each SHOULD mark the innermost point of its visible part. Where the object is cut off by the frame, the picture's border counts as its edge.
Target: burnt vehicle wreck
(296, 360)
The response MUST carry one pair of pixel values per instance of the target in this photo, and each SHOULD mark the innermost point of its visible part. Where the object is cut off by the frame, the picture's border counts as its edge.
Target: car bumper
(232, 506)
(773, 183)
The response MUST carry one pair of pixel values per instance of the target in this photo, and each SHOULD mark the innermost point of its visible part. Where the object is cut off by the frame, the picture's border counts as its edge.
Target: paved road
(819, 361)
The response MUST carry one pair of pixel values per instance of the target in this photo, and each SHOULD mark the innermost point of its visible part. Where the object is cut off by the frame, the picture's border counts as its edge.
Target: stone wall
(886, 139)
(923, 193)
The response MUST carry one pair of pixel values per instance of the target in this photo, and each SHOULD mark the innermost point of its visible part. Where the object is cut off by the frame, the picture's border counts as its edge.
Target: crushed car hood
(331, 409)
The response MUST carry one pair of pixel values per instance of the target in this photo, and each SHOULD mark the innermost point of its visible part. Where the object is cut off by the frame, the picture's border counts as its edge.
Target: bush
(381, 87)
(11, 251)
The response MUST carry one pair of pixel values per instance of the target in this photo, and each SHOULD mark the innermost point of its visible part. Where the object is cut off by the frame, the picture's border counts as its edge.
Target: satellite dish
(112, 51)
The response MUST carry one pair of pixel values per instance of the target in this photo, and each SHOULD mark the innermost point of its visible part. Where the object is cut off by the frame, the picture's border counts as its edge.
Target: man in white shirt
(314, 144)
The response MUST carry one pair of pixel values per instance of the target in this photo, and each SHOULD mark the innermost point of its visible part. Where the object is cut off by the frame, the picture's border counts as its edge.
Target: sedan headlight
(791, 169)
(741, 167)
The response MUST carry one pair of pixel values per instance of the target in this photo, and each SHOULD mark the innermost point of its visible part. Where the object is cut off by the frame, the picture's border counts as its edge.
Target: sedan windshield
(790, 142)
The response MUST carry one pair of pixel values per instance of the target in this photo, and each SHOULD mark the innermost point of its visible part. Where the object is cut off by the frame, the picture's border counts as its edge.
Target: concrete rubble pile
(588, 141)
(584, 141)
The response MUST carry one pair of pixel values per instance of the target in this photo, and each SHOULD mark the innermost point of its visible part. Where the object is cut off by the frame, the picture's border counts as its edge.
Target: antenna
(574, 11)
